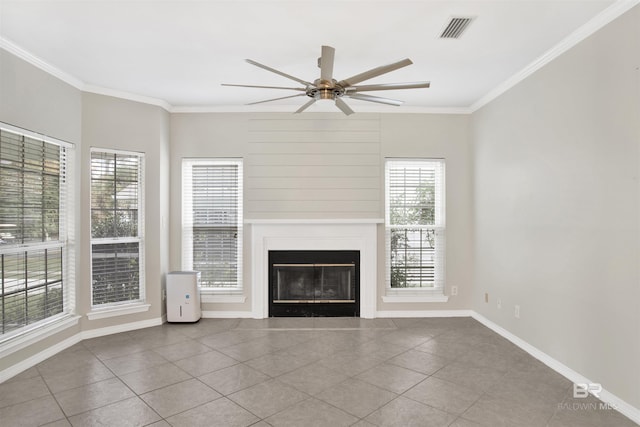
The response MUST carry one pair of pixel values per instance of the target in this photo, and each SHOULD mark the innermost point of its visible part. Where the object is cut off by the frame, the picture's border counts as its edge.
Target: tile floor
(299, 372)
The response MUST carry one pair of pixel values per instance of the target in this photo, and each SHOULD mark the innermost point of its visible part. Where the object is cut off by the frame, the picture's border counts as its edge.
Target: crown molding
(16, 50)
(596, 23)
(99, 90)
(605, 17)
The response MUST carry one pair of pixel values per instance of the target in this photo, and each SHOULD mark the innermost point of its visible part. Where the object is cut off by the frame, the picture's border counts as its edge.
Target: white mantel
(322, 234)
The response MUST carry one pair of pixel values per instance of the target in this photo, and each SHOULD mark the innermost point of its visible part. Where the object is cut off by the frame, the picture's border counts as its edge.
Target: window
(415, 226)
(212, 222)
(117, 227)
(34, 214)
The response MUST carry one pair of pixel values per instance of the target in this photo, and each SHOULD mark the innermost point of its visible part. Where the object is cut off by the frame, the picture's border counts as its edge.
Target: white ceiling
(180, 52)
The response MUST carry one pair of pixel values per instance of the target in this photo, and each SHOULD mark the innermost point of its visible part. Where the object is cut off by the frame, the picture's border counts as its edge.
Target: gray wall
(556, 208)
(37, 101)
(115, 123)
(330, 166)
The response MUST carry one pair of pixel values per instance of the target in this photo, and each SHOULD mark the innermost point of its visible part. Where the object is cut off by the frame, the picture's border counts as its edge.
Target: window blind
(33, 232)
(415, 225)
(212, 222)
(116, 227)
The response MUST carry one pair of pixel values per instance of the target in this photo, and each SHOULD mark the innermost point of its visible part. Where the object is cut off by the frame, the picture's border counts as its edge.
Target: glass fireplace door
(314, 283)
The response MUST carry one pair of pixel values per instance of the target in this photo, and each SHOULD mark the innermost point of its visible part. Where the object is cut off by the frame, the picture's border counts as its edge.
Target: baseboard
(227, 315)
(620, 405)
(30, 362)
(424, 313)
(125, 327)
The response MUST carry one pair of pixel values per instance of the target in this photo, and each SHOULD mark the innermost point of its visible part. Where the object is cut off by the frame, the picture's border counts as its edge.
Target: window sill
(18, 342)
(414, 298)
(222, 299)
(113, 311)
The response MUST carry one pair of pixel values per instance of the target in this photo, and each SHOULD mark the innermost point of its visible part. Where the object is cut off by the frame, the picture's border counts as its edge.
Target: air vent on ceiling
(455, 27)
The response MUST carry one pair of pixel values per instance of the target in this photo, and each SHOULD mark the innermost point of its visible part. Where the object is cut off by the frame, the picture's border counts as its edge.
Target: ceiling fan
(326, 87)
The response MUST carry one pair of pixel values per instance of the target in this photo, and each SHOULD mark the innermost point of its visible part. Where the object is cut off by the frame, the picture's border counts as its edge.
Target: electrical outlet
(454, 291)
(486, 297)
(499, 303)
(516, 312)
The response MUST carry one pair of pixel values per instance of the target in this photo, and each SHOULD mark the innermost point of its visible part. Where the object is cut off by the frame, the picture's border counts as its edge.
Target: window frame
(433, 293)
(225, 294)
(30, 331)
(112, 308)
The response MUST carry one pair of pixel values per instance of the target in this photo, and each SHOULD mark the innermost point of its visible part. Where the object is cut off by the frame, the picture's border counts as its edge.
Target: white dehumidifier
(183, 296)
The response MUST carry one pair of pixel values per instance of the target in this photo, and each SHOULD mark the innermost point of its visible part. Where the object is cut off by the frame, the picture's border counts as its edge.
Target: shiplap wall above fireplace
(313, 168)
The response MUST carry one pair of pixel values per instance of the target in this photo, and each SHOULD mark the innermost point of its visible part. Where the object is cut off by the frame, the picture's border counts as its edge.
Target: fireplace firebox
(314, 283)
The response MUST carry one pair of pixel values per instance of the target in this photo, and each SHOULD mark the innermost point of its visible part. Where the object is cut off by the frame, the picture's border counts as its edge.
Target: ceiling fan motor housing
(323, 89)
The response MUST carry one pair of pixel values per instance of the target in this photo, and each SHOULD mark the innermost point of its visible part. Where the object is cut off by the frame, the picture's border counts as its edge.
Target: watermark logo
(582, 390)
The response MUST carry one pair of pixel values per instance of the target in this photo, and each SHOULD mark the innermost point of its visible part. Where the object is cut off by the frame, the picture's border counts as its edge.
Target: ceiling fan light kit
(326, 87)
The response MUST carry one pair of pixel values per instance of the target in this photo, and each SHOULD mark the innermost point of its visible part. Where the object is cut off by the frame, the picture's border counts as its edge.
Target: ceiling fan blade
(377, 99)
(326, 63)
(275, 99)
(389, 86)
(343, 106)
(273, 70)
(374, 72)
(265, 87)
(305, 106)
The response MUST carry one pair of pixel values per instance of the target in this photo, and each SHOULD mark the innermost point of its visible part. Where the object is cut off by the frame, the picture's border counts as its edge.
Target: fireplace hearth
(314, 283)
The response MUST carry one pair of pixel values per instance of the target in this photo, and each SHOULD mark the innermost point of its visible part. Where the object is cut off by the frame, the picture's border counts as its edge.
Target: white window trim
(29, 334)
(122, 308)
(211, 294)
(414, 295)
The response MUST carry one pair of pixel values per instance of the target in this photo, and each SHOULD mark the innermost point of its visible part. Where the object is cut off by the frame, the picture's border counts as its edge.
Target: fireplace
(314, 283)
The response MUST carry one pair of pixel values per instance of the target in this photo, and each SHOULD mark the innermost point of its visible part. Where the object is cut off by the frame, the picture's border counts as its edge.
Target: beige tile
(313, 378)
(68, 361)
(92, 396)
(443, 395)
(403, 412)
(392, 378)
(205, 362)
(350, 363)
(220, 412)
(179, 397)
(267, 398)
(134, 362)
(181, 350)
(311, 413)
(155, 377)
(233, 378)
(248, 350)
(35, 412)
(25, 375)
(356, 397)
(489, 410)
(83, 375)
(60, 423)
(461, 422)
(275, 364)
(222, 339)
(18, 391)
(419, 361)
(479, 378)
(130, 412)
